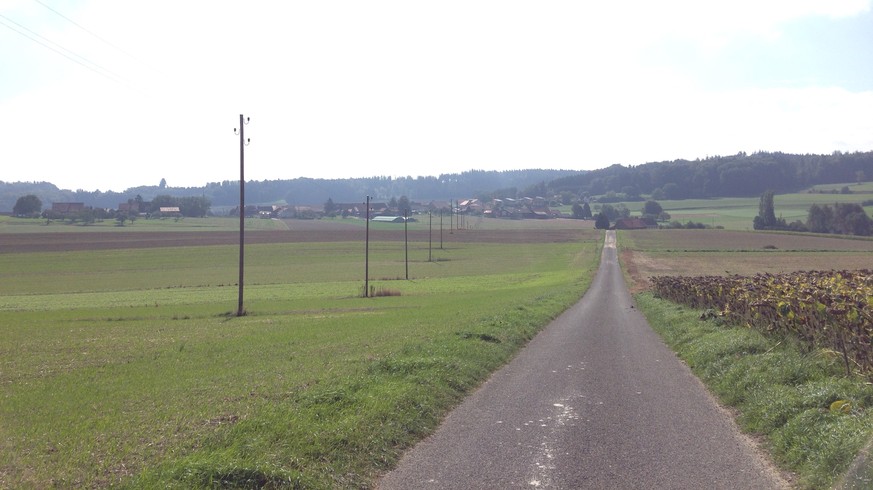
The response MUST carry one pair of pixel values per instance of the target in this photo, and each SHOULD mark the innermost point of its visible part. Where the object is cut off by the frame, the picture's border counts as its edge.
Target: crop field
(647, 253)
(785, 379)
(122, 363)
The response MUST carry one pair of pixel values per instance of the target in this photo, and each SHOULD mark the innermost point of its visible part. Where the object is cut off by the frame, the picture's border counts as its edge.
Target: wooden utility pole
(406, 240)
(441, 229)
(367, 253)
(240, 311)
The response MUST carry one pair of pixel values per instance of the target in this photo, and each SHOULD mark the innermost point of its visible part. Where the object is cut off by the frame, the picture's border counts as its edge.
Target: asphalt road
(596, 400)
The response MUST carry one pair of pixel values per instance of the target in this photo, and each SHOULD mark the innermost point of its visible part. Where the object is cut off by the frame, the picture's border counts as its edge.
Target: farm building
(388, 219)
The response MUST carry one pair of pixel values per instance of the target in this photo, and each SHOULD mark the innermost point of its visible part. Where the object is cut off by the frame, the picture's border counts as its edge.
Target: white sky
(358, 88)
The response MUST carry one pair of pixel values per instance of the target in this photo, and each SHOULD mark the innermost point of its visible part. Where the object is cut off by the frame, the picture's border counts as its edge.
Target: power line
(95, 68)
(71, 21)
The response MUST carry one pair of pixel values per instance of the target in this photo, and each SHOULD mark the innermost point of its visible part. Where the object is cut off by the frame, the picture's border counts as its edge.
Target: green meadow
(128, 367)
(737, 213)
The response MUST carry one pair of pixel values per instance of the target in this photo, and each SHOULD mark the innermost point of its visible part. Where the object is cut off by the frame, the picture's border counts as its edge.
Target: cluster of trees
(86, 215)
(189, 206)
(652, 212)
(31, 206)
(842, 218)
(766, 218)
(27, 206)
(581, 211)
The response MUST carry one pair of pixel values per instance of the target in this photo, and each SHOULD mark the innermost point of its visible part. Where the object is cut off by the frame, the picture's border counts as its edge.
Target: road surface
(596, 400)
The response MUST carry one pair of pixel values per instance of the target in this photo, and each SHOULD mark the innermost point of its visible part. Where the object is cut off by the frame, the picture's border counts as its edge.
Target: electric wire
(114, 75)
(95, 68)
(80, 26)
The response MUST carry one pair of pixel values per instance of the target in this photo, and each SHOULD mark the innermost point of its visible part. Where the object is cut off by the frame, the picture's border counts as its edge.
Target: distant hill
(739, 175)
(304, 191)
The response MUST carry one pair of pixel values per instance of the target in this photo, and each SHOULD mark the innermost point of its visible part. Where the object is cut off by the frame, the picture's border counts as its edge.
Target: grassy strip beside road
(132, 374)
(781, 391)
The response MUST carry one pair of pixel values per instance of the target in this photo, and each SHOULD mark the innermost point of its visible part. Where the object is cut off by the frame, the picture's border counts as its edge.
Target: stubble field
(647, 253)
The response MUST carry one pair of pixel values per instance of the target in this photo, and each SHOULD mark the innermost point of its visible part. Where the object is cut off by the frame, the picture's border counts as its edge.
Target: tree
(601, 222)
(403, 206)
(330, 207)
(566, 197)
(577, 211)
(631, 192)
(842, 218)
(850, 219)
(193, 206)
(536, 190)
(819, 218)
(28, 205)
(163, 184)
(766, 219)
(653, 208)
(586, 211)
(671, 190)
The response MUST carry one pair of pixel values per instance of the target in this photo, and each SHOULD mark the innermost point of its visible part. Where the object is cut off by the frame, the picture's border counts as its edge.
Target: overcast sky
(109, 94)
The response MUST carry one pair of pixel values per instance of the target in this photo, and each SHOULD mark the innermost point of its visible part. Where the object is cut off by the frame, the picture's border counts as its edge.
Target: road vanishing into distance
(596, 400)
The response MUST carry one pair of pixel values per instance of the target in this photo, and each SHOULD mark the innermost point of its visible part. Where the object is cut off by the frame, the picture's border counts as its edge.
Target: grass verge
(812, 418)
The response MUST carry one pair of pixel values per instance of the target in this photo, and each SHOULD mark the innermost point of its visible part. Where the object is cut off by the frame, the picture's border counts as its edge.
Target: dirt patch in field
(637, 282)
(300, 233)
(640, 266)
(650, 253)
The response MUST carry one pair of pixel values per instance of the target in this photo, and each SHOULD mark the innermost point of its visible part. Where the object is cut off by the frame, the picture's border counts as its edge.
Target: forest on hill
(739, 175)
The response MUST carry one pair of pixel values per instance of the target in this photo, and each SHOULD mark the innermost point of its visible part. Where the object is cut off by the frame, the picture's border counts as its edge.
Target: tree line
(841, 218)
(30, 205)
(739, 175)
(306, 191)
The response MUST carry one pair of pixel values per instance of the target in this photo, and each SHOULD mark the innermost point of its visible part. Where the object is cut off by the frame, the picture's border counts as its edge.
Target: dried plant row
(829, 309)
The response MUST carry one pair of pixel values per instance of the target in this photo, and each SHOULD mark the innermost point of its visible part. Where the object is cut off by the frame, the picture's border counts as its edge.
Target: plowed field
(58, 242)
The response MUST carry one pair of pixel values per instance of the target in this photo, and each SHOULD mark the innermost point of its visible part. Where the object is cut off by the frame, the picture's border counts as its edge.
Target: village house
(68, 207)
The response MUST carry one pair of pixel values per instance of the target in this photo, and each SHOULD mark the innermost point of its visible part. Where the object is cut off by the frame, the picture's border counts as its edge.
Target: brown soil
(60, 242)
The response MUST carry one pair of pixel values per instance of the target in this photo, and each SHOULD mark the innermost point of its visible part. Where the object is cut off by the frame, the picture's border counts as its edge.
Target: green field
(127, 367)
(737, 213)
